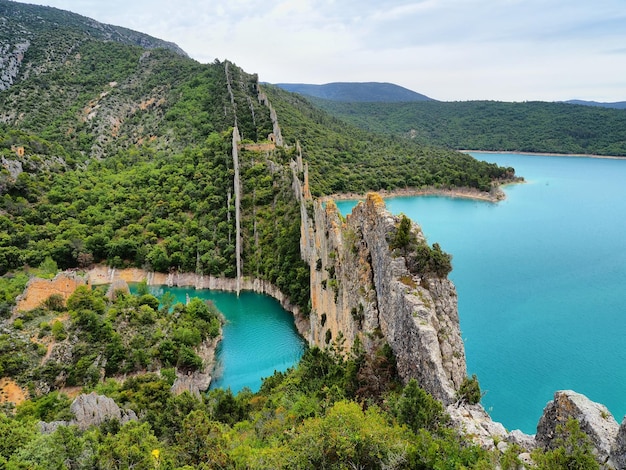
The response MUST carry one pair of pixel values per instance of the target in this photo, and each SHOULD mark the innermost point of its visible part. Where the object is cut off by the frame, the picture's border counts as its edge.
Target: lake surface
(259, 336)
(541, 279)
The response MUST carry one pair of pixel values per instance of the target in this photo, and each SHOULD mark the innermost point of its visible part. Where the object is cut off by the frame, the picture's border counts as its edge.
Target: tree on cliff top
(420, 258)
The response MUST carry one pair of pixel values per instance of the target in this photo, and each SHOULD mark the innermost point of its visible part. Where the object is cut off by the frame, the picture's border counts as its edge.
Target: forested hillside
(113, 153)
(492, 125)
(344, 158)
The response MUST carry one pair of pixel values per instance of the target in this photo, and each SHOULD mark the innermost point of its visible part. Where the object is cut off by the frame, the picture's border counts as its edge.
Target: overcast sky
(510, 50)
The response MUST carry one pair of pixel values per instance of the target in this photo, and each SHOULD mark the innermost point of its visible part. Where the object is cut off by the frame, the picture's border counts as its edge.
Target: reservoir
(259, 336)
(541, 280)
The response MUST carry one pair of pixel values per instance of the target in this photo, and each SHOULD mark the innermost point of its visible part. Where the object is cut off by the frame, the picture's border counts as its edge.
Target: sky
(449, 50)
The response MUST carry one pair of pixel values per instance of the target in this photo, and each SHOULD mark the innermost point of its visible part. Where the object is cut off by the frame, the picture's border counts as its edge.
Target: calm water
(541, 280)
(259, 336)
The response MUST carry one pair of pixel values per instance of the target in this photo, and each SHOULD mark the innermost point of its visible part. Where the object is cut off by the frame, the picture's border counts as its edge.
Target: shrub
(188, 359)
(55, 302)
(58, 331)
(419, 410)
(469, 391)
(573, 450)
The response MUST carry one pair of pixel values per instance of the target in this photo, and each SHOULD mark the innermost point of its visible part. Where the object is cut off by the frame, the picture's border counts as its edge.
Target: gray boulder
(91, 410)
(595, 421)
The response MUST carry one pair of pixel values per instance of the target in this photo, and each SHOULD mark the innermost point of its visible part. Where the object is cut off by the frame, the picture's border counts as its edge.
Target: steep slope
(356, 92)
(30, 30)
(344, 158)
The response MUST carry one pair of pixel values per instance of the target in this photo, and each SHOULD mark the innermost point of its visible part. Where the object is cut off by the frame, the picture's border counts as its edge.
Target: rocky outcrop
(237, 188)
(360, 289)
(117, 286)
(198, 380)
(595, 421)
(278, 136)
(91, 410)
(11, 57)
(474, 421)
(618, 453)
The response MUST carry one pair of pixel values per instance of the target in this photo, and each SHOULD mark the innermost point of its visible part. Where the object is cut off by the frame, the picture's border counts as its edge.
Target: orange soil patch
(11, 392)
(39, 290)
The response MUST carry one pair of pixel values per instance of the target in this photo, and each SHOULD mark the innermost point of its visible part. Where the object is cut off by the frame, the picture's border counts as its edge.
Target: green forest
(122, 155)
(492, 125)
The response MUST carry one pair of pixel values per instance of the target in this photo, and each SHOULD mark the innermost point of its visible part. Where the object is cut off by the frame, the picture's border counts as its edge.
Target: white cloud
(448, 49)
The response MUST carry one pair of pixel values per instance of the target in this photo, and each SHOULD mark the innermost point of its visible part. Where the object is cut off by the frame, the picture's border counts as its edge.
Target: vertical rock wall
(360, 289)
(237, 187)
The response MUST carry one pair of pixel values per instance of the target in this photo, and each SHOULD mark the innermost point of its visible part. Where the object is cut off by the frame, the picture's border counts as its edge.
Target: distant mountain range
(356, 92)
(616, 105)
(382, 92)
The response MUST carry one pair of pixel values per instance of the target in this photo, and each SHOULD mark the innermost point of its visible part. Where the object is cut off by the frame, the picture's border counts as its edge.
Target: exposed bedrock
(595, 421)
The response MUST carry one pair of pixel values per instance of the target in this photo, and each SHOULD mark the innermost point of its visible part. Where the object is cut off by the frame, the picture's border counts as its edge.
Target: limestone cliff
(361, 289)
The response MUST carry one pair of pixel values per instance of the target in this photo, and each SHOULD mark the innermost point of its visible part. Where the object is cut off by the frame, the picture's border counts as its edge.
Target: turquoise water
(541, 280)
(259, 336)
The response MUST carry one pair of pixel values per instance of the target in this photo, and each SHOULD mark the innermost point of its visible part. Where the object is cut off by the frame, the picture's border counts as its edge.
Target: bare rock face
(199, 380)
(595, 421)
(618, 453)
(474, 421)
(360, 290)
(11, 57)
(91, 410)
(38, 290)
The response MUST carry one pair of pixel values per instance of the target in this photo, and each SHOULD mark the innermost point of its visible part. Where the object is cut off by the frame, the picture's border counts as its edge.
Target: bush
(58, 331)
(188, 359)
(55, 302)
(573, 450)
(469, 391)
(419, 410)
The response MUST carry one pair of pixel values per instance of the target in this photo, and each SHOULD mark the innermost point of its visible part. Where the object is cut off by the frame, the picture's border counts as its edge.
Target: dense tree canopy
(492, 125)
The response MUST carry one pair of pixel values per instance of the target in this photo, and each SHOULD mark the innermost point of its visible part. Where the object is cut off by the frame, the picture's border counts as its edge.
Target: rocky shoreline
(465, 193)
(100, 275)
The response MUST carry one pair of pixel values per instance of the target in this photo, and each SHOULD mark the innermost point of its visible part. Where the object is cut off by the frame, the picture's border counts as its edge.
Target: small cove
(259, 336)
(540, 278)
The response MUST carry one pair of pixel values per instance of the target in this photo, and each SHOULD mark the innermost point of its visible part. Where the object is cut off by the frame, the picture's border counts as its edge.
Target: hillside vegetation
(344, 158)
(114, 153)
(491, 125)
